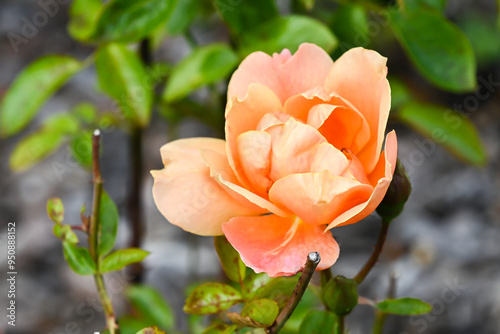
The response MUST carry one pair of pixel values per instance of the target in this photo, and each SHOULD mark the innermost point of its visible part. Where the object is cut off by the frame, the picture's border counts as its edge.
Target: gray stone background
(445, 247)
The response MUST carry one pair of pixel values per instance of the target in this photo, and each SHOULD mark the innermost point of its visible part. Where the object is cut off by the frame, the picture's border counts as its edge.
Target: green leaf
(446, 127)
(131, 20)
(108, 224)
(83, 17)
(319, 322)
(86, 112)
(34, 148)
(243, 16)
(131, 325)
(211, 298)
(182, 14)
(81, 148)
(62, 123)
(221, 329)
(121, 258)
(287, 33)
(55, 210)
(38, 81)
(400, 94)
(151, 330)
(350, 25)
(254, 282)
(261, 311)
(438, 49)
(482, 31)
(151, 305)
(78, 258)
(439, 5)
(308, 302)
(278, 289)
(204, 66)
(230, 260)
(404, 306)
(340, 295)
(122, 75)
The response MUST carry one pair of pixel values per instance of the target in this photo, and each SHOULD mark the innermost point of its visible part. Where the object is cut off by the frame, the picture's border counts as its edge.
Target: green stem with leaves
(94, 235)
(375, 254)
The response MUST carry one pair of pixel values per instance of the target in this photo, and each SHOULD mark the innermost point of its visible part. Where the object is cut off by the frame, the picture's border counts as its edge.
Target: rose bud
(397, 194)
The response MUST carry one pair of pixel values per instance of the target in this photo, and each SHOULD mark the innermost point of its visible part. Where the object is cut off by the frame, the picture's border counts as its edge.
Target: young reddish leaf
(211, 298)
(55, 210)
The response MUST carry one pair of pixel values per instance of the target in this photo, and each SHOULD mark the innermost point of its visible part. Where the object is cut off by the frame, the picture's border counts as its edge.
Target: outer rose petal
(359, 76)
(286, 75)
(185, 193)
(318, 198)
(245, 115)
(279, 246)
(386, 166)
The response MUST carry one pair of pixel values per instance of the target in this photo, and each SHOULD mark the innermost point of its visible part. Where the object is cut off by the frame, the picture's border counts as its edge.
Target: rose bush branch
(93, 236)
(312, 262)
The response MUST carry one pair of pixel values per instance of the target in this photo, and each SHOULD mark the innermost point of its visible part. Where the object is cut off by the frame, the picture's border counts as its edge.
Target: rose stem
(375, 255)
(135, 194)
(379, 315)
(94, 234)
(312, 262)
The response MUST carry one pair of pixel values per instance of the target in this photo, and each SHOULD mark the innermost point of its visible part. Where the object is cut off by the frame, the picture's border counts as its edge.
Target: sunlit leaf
(38, 81)
(204, 66)
(262, 311)
(83, 17)
(220, 329)
(121, 258)
(122, 75)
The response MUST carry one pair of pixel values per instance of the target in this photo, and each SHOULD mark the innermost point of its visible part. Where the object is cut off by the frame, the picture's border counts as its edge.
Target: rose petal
(359, 76)
(318, 198)
(343, 127)
(254, 151)
(185, 193)
(284, 74)
(279, 246)
(222, 174)
(293, 146)
(328, 157)
(384, 172)
(245, 115)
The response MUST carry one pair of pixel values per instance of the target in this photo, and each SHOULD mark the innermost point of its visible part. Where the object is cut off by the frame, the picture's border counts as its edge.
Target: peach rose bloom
(302, 155)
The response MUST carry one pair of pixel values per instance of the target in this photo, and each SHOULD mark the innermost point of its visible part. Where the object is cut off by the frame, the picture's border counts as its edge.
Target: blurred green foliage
(126, 36)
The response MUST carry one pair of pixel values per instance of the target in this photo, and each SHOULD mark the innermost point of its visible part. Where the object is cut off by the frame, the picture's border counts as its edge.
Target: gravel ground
(444, 248)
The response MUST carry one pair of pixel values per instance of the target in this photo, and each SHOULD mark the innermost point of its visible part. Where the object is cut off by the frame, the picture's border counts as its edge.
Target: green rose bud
(397, 194)
(340, 295)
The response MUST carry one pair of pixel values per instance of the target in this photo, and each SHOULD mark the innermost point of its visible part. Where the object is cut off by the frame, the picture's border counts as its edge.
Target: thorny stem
(94, 234)
(375, 255)
(312, 262)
